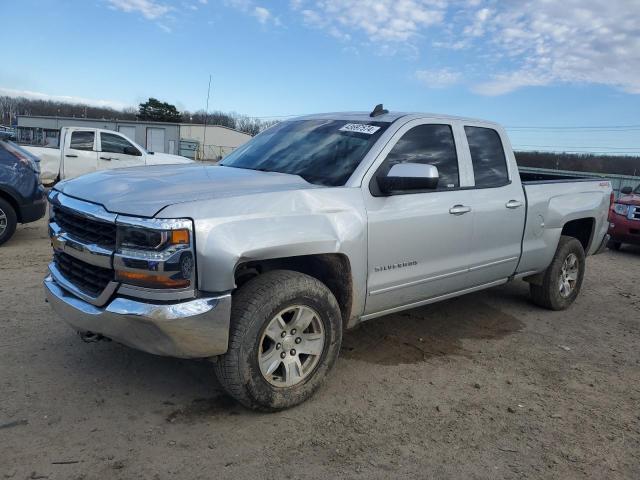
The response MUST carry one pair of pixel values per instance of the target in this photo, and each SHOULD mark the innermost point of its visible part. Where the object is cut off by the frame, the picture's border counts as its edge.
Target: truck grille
(634, 214)
(86, 229)
(90, 279)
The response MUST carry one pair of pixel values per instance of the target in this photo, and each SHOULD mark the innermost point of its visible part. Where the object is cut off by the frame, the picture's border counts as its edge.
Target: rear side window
(82, 140)
(487, 156)
(428, 144)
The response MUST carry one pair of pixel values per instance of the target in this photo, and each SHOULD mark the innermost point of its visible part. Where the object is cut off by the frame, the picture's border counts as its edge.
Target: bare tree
(11, 107)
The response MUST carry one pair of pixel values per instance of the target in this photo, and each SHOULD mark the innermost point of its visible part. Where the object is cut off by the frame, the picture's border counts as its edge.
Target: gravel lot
(485, 386)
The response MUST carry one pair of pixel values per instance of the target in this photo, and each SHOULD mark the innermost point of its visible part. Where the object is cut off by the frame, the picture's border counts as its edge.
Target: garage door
(155, 139)
(128, 131)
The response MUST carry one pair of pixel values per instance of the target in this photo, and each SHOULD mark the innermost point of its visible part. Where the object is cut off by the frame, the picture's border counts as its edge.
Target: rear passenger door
(118, 152)
(79, 153)
(498, 203)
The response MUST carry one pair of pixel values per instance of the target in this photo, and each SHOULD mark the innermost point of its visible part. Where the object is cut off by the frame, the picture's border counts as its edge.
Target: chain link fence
(213, 153)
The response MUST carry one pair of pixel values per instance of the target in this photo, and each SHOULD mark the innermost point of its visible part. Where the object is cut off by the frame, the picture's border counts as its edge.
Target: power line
(612, 127)
(579, 146)
(617, 154)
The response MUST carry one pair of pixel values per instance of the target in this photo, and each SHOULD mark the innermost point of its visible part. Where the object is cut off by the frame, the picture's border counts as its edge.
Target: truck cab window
(487, 156)
(111, 143)
(82, 140)
(428, 144)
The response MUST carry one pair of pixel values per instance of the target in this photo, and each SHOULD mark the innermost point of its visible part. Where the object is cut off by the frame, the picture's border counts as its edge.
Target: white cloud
(386, 21)
(438, 78)
(262, 14)
(573, 41)
(10, 92)
(506, 45)
(150, 9)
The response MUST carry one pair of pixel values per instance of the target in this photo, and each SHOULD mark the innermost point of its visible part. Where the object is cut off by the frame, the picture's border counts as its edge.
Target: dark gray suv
(22, 196)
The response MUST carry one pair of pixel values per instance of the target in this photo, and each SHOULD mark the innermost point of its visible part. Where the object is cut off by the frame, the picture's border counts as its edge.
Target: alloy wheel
(291, 346)
(569, 275)
(3, 222)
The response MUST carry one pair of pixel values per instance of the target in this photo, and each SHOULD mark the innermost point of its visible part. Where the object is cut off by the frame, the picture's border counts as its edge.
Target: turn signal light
(179, 237)
(150, 281)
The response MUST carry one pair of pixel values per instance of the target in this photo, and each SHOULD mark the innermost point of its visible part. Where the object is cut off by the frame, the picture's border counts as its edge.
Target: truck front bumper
(197, 328)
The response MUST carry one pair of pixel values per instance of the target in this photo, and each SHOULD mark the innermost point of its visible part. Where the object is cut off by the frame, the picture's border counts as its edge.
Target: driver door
(118, 152)
(419, 242)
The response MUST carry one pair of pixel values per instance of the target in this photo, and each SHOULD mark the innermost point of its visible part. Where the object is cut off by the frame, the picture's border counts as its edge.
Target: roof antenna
(379, 110)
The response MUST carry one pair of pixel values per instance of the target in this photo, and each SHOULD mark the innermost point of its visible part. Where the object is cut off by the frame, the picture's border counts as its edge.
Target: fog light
(186, 265)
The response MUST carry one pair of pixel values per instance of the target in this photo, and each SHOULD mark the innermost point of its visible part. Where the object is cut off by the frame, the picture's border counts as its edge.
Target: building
(214, 141)
(158, 137)
(188, 139)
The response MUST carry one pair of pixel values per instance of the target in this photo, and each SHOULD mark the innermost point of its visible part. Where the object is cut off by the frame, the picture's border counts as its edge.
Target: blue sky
(523, 63)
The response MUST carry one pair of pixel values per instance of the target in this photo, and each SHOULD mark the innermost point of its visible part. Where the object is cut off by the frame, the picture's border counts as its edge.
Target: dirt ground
(484, 386)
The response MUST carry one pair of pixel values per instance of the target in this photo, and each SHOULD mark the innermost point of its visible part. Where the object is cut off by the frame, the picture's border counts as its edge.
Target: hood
(633, 199)
(144, 191)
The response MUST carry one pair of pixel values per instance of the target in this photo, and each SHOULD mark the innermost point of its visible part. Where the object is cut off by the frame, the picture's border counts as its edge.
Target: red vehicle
(624, 219)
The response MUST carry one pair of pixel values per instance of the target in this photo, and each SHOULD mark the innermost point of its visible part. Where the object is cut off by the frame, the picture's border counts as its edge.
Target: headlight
(148, 240)
(620, 209)
(156, 253)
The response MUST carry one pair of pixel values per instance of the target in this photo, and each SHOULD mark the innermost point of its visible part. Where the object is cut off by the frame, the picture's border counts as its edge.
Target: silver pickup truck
(317, 224)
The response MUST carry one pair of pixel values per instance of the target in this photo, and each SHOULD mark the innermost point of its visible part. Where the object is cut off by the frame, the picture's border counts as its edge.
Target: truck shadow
(434, 330)
(626, 249)
(186, 391)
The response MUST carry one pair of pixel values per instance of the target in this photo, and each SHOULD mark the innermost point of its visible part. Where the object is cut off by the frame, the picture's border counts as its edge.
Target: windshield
(324, 152)
(637, 190)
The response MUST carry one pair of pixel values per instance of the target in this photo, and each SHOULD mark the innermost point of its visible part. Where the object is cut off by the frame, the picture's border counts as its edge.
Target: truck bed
(532, 178)
(552, 202)
(49, 162)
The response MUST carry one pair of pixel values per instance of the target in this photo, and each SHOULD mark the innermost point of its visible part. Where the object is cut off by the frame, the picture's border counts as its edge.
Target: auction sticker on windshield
(360, 128)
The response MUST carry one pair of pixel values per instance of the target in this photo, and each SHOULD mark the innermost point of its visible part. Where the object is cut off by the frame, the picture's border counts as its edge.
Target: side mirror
(409, 176)
(626, 190)
(132, 151)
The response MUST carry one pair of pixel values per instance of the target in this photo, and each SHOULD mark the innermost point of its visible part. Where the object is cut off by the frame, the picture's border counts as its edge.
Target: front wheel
(8, 221)
(562, 280)
(285, 336)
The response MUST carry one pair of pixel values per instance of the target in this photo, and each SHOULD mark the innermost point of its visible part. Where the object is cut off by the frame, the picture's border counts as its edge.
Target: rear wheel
(562, 280)
(8, 221)
(286, 331)
(613, 245)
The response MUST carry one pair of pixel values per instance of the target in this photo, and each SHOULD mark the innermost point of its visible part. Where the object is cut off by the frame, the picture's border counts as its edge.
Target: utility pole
(206, 115)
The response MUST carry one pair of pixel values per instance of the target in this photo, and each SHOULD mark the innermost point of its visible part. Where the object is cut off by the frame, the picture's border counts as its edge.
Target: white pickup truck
(85, 150)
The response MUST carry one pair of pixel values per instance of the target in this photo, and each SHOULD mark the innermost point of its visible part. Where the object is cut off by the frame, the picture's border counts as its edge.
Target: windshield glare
(323, 152)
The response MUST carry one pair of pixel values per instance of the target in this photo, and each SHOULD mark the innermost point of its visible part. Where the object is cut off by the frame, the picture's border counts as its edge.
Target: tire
(551, 293)
(613, 245)
(8, 221)
(256, 313)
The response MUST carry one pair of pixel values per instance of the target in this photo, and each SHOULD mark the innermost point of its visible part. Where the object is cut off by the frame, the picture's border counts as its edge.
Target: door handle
(513, 204)
(70, 155)
(459, 210)
(106, 158)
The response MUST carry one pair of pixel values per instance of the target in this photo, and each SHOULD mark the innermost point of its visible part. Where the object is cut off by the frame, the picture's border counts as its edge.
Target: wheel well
(12, 201)
(332, 269)
(582, 229)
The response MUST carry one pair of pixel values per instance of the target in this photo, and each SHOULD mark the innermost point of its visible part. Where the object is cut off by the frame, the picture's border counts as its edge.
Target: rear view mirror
(409, 176)
(626, 190)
